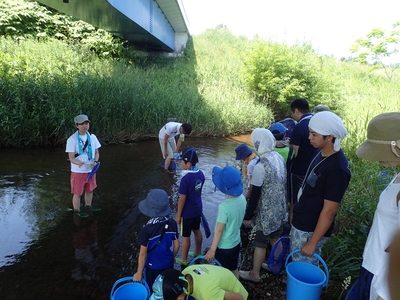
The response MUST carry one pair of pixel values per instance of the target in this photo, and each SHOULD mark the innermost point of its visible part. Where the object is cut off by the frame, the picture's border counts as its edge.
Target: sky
(332, 27)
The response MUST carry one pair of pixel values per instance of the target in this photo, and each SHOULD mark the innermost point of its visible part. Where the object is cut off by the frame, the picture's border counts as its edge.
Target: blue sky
(331, 26)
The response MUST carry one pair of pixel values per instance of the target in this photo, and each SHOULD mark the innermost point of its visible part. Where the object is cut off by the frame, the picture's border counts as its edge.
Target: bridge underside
(142, 22)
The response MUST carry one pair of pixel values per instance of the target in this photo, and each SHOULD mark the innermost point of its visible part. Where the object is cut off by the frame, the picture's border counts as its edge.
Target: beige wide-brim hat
(383, 139)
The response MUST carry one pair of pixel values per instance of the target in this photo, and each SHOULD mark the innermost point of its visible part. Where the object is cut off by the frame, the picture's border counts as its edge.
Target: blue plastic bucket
(130, 290)
(203, 257)
(305, 280)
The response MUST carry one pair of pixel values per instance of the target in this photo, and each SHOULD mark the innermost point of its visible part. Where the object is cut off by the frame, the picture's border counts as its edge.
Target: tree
(378, 48)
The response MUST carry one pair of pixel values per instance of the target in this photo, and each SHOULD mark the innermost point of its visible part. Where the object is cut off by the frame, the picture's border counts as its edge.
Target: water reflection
(37, 257)
(84, 241)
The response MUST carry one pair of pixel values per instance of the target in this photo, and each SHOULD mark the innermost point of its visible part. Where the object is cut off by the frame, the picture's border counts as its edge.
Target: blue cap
(242, 151)
(278, 127)
(228, 180)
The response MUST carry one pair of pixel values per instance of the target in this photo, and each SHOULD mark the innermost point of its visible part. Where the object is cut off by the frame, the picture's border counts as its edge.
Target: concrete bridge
(151, 25)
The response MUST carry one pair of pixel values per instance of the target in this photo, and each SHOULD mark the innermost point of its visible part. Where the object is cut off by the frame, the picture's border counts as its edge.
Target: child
(226, 243)
(83, 153)
(190, 205)
(381, 145)
(166, 137)
(202, 282)
(282, 146)
(250, 159)
(158, 239)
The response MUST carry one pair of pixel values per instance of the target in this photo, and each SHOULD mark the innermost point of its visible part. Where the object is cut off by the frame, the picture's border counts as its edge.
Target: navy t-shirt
(162, 256)
(306, 152)
(192, 185)
(329, 180)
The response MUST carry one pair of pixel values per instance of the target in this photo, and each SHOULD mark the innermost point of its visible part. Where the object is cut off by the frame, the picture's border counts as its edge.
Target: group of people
(307, 172)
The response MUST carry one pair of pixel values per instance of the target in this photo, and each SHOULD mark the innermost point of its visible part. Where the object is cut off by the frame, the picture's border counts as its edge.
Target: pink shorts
(78, 185)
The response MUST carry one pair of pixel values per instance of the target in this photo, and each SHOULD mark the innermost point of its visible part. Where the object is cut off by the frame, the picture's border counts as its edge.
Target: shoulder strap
(84, 147)
(161, 236)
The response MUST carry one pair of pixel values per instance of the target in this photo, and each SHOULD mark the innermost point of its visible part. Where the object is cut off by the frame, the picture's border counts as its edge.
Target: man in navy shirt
(304, 152)
(322, 190)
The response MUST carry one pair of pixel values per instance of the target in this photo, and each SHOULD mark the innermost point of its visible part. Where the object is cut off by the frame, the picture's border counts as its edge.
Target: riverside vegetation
(53, 67)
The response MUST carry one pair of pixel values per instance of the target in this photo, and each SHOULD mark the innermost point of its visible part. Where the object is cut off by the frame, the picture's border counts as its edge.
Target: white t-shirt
(72, 146)
(384, 226)
(258, 175)
(171, 128)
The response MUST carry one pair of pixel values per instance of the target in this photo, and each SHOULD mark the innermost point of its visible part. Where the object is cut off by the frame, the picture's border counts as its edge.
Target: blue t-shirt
(162, 256)
(329, 180)
(192, 185)
(306, 152)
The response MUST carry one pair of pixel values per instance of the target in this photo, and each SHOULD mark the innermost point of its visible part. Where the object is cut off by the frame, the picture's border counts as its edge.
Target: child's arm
(217, 237)
(176, 247)
(181, 204)
(232, 296)
(141, 262)
(249, 192)
(252, 204)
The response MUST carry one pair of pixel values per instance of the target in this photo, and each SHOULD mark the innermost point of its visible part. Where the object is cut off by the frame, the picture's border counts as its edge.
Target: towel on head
(328, 123)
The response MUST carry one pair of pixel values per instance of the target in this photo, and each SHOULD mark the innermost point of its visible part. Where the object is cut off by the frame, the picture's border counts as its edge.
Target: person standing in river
(166, 137)
(190, 203)
(83, 153)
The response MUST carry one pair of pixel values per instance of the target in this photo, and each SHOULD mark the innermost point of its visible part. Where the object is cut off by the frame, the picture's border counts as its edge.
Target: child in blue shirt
(190, 205)
(158, 239)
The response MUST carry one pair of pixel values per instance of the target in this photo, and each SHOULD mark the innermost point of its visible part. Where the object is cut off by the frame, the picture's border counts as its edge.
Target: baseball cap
(277, 128)
(189, 155)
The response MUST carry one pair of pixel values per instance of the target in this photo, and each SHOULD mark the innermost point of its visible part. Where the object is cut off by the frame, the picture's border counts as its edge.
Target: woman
(266, 207)
(383, 145)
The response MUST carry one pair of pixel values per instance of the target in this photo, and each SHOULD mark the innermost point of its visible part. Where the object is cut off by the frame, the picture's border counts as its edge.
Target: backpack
(277, 257)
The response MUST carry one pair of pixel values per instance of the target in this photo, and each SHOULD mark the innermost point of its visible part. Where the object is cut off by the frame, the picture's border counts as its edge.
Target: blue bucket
(130, 290)
(305, 280)
(203, 257)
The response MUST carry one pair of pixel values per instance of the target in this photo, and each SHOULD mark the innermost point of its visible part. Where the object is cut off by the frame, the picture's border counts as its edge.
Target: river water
(47, 252)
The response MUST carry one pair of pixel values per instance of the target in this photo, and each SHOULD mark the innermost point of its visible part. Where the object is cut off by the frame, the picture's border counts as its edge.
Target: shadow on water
(47, 252)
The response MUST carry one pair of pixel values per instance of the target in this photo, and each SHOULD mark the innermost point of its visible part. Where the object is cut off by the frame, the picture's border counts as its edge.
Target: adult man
(202, 282)
(325, 183)
(166, 137)
(303, 150)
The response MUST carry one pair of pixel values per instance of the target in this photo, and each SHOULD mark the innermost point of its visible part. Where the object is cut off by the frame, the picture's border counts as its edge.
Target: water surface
(47, 252)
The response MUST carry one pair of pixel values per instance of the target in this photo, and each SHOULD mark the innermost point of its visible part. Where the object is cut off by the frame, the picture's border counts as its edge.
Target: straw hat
(383, 139)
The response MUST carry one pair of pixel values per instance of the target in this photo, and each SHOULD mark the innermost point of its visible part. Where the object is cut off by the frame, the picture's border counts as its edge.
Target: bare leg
(167, 163)
(76, 202)
(273, 241)
(259, 258)
(88, 198)
(185, 248)
(198, 241)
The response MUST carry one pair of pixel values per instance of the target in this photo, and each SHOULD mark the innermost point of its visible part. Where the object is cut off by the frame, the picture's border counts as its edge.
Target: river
(47, 252)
